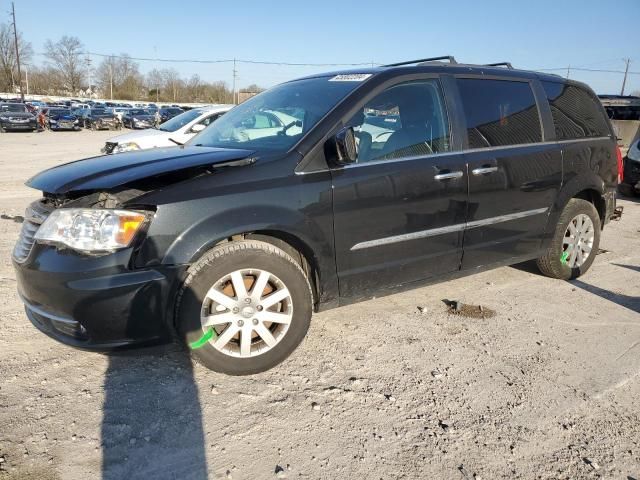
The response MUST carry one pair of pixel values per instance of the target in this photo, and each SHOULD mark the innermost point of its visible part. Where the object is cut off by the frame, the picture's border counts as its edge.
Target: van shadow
(627, 301)
(152, 419)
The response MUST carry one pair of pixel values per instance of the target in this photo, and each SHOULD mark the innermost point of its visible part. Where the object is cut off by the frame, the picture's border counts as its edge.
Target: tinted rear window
(499, 113)
(576, 112)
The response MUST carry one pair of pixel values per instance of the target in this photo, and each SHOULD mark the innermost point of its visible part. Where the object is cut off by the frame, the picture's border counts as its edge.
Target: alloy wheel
(248, 312)
(577, 243)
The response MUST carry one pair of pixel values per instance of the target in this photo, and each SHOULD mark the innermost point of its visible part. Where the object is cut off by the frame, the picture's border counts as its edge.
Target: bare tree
(64, 56)
(122, 75)
(154, 83)
(172, 82)
(253, 88)
(193, 88)
(8, 64)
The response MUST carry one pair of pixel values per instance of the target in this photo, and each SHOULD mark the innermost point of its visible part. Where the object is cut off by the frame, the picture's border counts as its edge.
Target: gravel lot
(549, 387)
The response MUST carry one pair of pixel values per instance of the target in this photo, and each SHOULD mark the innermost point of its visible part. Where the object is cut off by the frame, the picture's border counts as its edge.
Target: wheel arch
(591, 189)
(295, 246)
(591, 195)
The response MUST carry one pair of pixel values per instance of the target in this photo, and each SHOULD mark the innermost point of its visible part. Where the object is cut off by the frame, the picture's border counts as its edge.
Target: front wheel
(244, 307)
(575, 242)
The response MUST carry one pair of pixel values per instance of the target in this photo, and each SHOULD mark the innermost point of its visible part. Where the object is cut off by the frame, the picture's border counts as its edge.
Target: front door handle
(448, 175)
(484, 170)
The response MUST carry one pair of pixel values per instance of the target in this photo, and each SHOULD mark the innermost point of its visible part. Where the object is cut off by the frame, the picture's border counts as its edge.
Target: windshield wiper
(176, 142)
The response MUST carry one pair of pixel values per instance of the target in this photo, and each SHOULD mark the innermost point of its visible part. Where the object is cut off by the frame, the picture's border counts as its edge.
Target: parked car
(167, 113)
(630, 181)
(16, 116)
(138, 118)
(119, 112)
(176, 131)
(235, 238)
(61, 119)
(101, 119)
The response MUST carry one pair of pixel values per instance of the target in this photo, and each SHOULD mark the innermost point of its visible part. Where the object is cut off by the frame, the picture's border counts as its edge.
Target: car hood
(110, 171)
(137, 135)
(143, 117)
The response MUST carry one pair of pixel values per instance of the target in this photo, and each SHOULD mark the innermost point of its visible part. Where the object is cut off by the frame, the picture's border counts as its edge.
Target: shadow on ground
(152, 421)
(627, 301)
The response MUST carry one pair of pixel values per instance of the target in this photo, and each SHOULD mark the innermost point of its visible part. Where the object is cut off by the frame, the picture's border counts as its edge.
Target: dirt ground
(397, 387)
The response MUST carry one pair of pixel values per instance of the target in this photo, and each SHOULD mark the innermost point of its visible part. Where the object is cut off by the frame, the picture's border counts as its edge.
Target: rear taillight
(620, 165)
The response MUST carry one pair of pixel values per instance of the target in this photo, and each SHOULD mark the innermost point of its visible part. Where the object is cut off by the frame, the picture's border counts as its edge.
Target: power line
(584, 70)
(231, 60)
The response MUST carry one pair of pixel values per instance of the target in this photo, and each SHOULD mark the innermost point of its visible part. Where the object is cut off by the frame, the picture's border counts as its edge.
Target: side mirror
(346, 149)
(197, 128)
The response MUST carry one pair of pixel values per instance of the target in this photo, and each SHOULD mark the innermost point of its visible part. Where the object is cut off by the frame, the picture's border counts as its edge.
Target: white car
(267, 123)
(120, 111)
(173, 132)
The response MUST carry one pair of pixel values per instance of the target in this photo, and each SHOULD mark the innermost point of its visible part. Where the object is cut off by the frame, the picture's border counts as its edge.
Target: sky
(541, 34)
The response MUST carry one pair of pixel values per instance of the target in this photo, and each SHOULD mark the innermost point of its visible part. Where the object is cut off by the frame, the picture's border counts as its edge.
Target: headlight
(53, 121)
(91, 230)
(634, 152)
(127, 147)
(76, 121)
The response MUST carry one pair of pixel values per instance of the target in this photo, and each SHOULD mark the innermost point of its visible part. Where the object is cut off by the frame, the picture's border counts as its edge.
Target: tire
(558, 264)
(244, 258)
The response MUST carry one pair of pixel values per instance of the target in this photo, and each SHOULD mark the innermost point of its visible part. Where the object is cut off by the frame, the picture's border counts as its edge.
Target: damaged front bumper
(97, 302)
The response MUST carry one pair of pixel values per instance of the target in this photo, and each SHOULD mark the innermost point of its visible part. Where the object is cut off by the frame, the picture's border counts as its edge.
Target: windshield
(137, 111)
(276, 119)
(59, 111)
(180, 121)
(12, 107)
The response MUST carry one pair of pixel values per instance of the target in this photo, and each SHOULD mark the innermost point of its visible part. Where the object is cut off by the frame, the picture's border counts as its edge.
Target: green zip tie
(564, 257)
(204, 339)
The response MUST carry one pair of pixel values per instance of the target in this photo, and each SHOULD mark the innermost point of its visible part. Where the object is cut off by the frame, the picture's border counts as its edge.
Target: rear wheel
(575, 242)
(244, 307)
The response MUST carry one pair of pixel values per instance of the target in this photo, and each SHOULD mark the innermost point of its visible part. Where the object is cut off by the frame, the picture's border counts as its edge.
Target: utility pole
(87, 62)
(568, 70)
(15, 36)
(155, 52)
(235, 74)
(626, 72)
(111, 77)
(26, 76)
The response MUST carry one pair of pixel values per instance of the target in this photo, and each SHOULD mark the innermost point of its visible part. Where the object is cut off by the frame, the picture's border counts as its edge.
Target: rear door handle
(484, 170)
(448, 175)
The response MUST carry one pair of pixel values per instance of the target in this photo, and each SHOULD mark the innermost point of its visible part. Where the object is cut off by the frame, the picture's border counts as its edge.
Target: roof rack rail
(500, 64)
(450, 58)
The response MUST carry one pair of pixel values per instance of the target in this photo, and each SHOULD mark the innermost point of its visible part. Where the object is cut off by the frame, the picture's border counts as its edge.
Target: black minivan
(319, 192)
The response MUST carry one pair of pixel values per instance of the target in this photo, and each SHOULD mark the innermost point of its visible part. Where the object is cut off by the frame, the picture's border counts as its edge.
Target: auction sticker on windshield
(354, 77)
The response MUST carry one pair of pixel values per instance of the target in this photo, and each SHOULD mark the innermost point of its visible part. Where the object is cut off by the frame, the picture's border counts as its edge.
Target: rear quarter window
(499, 112)
(576, 112)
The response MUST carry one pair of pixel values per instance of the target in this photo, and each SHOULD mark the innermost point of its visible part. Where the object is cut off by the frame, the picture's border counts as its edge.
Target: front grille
(110, 146)
(35, 214)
